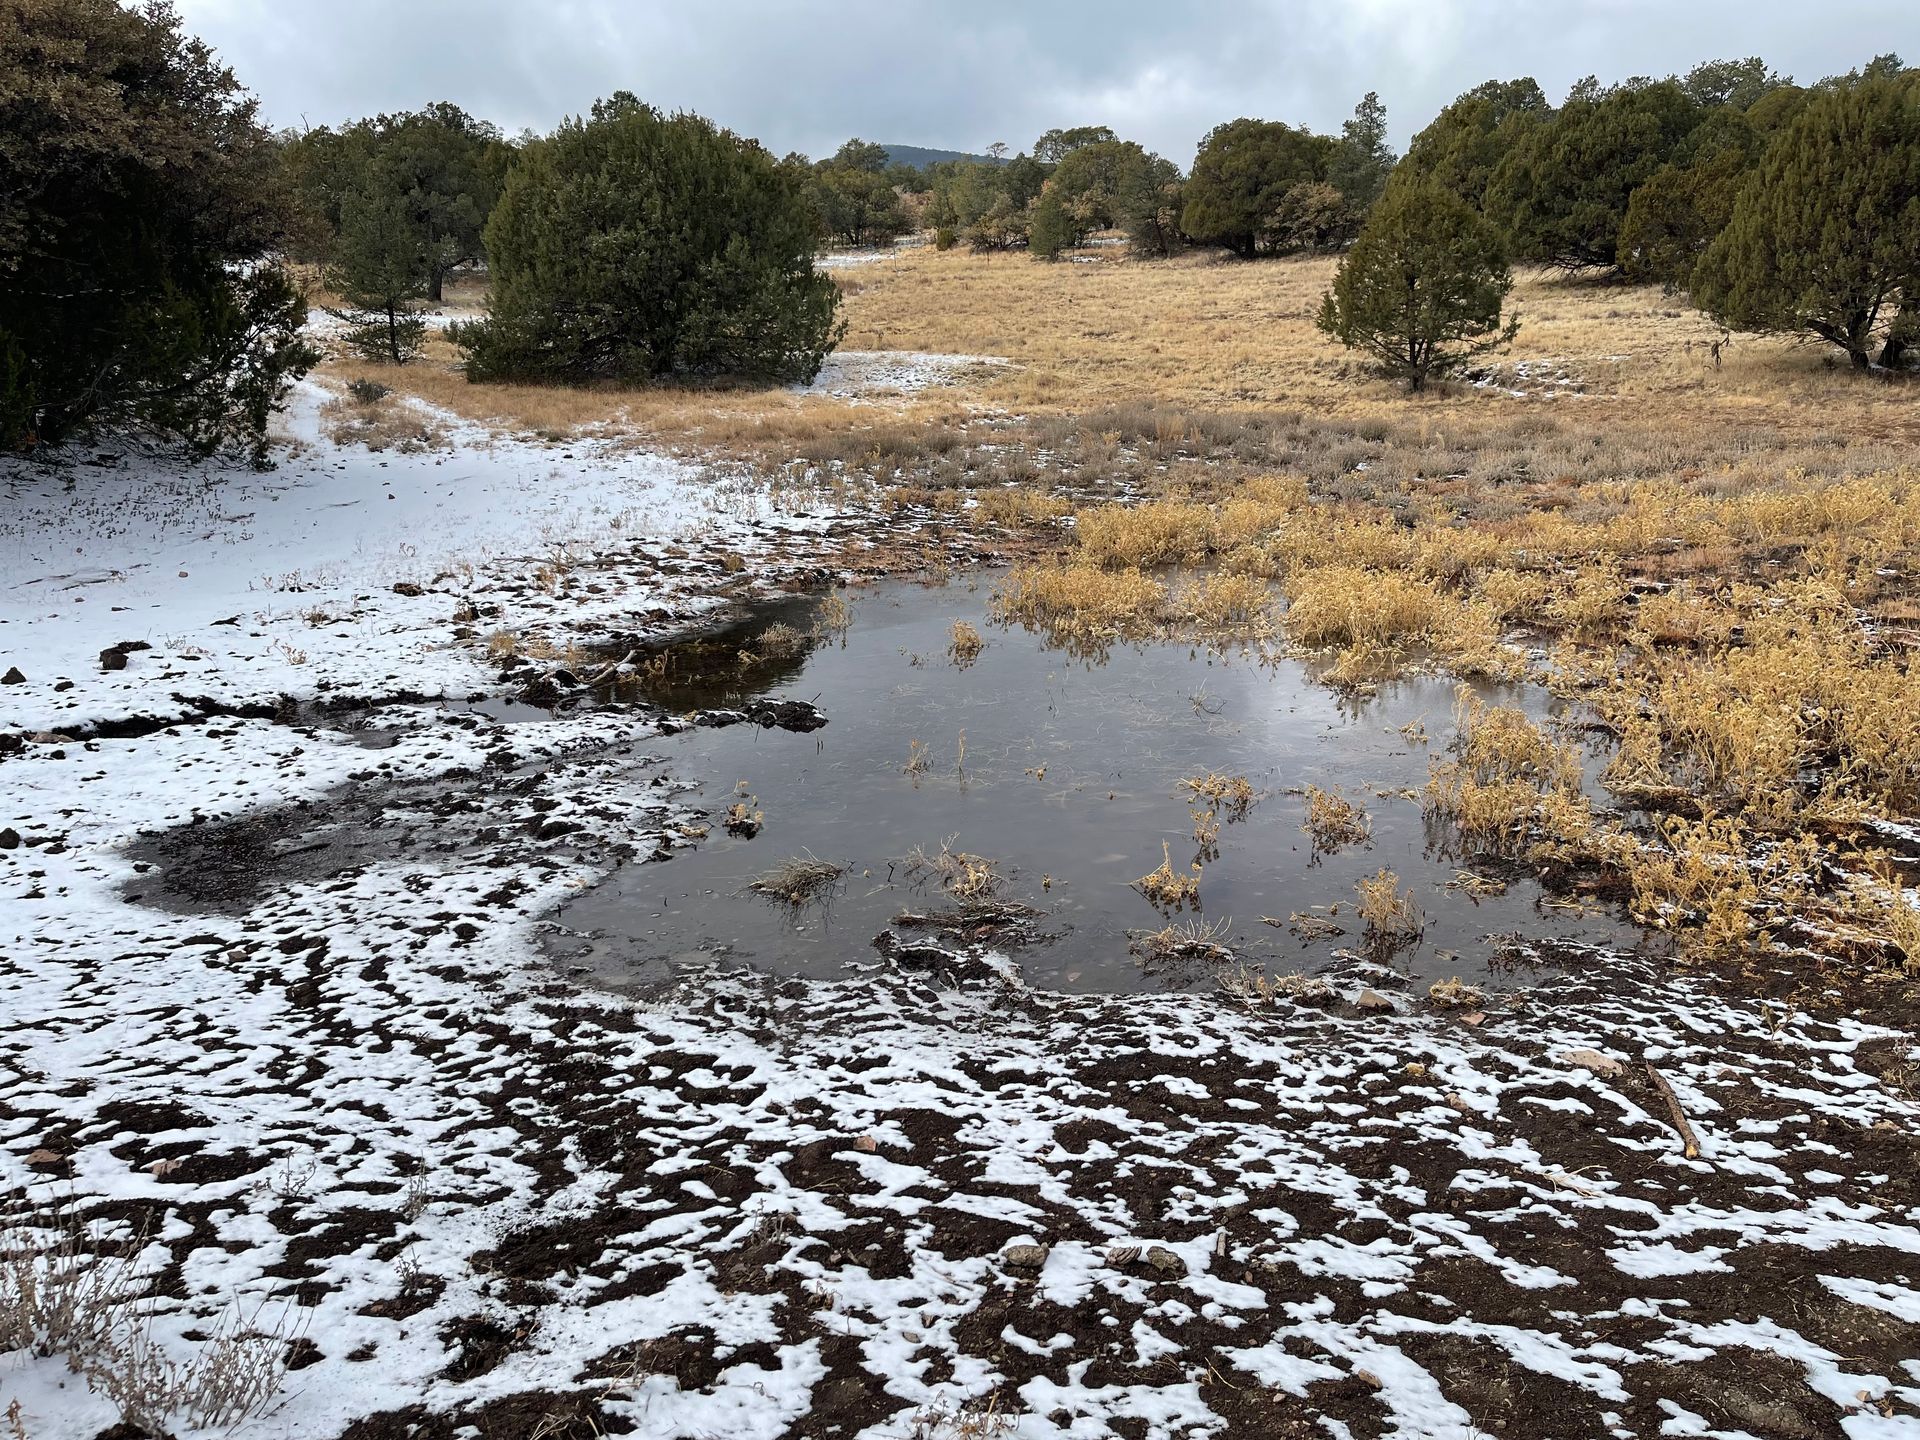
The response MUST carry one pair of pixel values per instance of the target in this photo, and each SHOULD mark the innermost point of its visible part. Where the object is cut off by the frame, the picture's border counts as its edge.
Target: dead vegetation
(1185, 941)
(1167, 888)
(1389, 912)
(799, 881)
(964, 876)
(67, 1291)
(1333, 822)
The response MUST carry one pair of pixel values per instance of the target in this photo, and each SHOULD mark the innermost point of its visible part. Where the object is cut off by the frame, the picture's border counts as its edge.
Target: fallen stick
(595, 680)
(1692, 1150)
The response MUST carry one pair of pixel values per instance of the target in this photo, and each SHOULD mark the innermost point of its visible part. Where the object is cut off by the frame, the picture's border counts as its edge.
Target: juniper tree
(1560, 193)
(382, 268)
(1825, 236)
(633, 245)
(1422, 289)
(141, 218)
(1242, 173)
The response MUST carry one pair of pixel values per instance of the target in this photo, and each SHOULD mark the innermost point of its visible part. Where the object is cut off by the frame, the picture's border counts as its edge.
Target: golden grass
(1719, 561)
(1168, 888)
(1391, 916)
(1333, 821)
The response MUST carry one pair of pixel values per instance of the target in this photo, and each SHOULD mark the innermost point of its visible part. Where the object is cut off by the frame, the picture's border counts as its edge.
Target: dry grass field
(1715, 561)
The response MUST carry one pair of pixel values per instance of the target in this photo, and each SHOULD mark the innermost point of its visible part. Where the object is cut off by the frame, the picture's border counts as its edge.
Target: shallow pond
(1070, 781)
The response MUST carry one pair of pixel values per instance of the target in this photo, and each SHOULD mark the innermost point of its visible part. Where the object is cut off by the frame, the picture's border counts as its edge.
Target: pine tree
(382, 268)
(1422, 289)
(1361, 163)
(1825, 236)
(634, 245)
(1050, 229)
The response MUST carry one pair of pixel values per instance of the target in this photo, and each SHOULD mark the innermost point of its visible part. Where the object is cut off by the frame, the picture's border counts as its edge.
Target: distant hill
(920, 156)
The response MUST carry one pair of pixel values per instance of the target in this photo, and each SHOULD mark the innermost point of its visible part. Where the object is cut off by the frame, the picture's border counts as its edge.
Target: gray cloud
(805, 77)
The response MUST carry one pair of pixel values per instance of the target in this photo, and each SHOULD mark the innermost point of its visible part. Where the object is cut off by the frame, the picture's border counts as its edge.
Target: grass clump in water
(1334, 822)
(964, 643)
(798, 881)
(1168, 888)
(1392, 918)
(1185, 941)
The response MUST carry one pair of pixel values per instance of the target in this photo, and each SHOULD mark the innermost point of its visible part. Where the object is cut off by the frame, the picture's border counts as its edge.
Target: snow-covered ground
(352, 1105)
(248, 586)
(866, 374)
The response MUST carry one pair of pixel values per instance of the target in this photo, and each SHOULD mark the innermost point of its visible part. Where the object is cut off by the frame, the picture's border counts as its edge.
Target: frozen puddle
(1068, 776)
(855, 374)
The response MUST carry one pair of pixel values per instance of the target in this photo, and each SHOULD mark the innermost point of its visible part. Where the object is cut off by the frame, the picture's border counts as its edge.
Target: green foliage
(1098, 183)
(1825, 236)
(1152, 220)
(1738, 84)
(443, 164)
(1422, 289)
(854, 196)
(1312, 215)
(634, 245)
(1002, 227)
(858, 154)
(141, 208)
(1243, 171)
(1050, 228)
(1561, 191)
(381, 269)
(1362, 160)
(1054, 146)
(1674, 216)
(1466, 141)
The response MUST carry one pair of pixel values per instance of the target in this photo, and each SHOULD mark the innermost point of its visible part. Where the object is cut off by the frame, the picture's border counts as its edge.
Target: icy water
(1069, 781)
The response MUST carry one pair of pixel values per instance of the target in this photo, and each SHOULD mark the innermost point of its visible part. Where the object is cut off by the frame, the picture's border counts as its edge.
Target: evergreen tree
(1466, 141)
(142, 213)
(1050, 229)
(634, 245)
(1825, 235)
(381, 269)
(1682, 206)
(1240, 177)
(1054, 146)
(1561, 193)
(1422, 289)
(1363, 159)
(447, 167)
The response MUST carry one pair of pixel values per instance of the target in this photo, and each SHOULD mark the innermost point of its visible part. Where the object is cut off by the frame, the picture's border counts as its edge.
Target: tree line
(150, 224)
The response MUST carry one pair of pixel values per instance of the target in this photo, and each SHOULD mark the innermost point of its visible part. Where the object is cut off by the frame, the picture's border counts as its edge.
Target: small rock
(13, 676)
(1164, 1262)
(1025, 1257)
(112, 659)
(1373, 1000)
(9, 839)
(407, 587)
(1592, 1060)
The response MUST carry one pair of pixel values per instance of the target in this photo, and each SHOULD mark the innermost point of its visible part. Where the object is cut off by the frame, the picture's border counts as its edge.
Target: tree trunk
(1901, 335)
(393, 335)
(436, 286)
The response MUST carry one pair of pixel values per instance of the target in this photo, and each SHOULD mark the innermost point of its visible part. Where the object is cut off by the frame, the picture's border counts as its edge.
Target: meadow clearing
(1395, 915)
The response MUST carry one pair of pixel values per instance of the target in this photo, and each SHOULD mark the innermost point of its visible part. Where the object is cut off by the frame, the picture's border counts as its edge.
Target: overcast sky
(961, 75)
